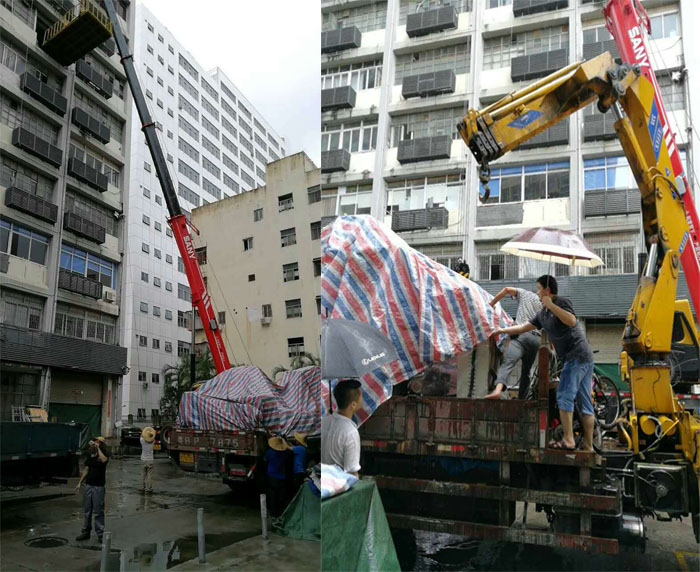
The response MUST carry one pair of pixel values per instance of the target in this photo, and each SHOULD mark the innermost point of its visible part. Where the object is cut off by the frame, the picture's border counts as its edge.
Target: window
(147, 167)
(188, 194)
(21, 310)
(231, 184)
(318, 305)
(189, 68)
(290, 272)
(295, 346)
(157, 226)
(161, 83)
(367, 17)
(412, 6)
(169, 258)
(293, 308)
(212, 168)
(314, 194)
(607, 173)
(455, 58)
(258, 214)
(183, 348)
(228, 93)
(155, 378)
(288, 236)
(144, 276)
(168, 286)
(267, 310)
(188, 128)
(529, 182)
(188, 87)
(23, 243)
(251, 277)
(230, 146)
(247, 161)
(425, 124)
(149, 71)
(183, 292)
(145, 248)
(665, 26)
(188, 172)
(142, 376)
(78, 322)
(146, 220)
(285, 202)
(146, 193)
(495, 265)
(168, 231)
(13, 114)
(144, 307)
(353, 137)
(201, 254)
(159, 103)
(155, 344)
(183, 320)
(140, 413)
(316, 230)
(357, 199)
(156, 253)
(156, 282)
(168, 347)
(672, 92)
(248, 243)
(180, 265)
(221, 318)
(317, 266)
(209, 126)
(229, 127)
(89, 265)
(168, 315)
(210, 109)
(188, 108)
(498, 51)
(617, 250)
(161, 61)
(247, 179)
(170, 91)
(499, 3)
(12, 174)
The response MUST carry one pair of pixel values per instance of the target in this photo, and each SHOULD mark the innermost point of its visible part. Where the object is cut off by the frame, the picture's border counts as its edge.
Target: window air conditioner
(265, 320)
(109, 295)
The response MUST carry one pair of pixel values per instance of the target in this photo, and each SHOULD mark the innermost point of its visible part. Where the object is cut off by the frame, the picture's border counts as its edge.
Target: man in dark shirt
(94, 492)
(276, 475)
(558, 319)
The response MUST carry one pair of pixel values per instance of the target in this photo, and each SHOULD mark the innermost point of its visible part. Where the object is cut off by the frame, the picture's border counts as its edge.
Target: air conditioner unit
(145, 385)
(109, 295)
(265, 320)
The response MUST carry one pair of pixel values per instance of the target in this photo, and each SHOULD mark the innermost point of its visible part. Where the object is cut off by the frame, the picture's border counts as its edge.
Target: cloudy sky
(269, 48)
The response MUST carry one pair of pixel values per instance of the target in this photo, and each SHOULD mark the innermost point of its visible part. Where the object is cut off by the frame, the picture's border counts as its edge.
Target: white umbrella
(553, 245)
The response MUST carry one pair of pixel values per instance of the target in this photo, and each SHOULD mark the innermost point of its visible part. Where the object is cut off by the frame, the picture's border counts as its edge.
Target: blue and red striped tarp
(431, 313)
(244, 398)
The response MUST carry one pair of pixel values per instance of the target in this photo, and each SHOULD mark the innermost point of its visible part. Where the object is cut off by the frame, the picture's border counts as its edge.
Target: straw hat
(100, 439)
(300, 438)
(148, 434)
(278, 443)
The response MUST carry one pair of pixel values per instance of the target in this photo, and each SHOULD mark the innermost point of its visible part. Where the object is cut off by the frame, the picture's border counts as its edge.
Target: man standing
(558, 319)
(299, 466)
(521, 348)
(94, 492)
(148, 435)
(276, 457)
(340, 440)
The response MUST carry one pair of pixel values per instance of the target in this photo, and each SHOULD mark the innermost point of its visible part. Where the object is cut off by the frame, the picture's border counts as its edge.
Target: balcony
(340, 39)
(557, 134)
(40, 91)
(101, 84)
(79, 284)
(334, 161)
(526, 7)
(424, 149)
(31, 204)
(83, 227)
(88, 175)
(27, 141)
(436, 20)
(538, 65)
(612, 202)
(338, 98)
(86, 122)
(419, 219)
(497, 215)
(599, 126)
(427, 84)
(594, 49)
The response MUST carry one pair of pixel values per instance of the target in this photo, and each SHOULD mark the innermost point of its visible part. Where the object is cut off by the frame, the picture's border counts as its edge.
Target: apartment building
(398, 75)
(64, 149)
(260, 253)
(217, 145)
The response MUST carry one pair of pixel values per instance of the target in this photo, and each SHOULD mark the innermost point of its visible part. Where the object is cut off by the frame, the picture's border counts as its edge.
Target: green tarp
(356, 534)
(302, 517)
(611, 370)
(91, 415)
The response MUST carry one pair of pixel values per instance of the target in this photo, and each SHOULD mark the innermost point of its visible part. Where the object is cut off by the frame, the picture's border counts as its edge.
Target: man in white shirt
(340, 440)
(148, 435)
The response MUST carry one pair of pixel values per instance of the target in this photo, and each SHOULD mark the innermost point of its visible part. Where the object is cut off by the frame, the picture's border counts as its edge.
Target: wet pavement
(149, 532)
(670, 546)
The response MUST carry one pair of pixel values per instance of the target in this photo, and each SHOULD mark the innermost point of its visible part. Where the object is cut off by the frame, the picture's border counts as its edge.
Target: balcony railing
(336, 160)
(101, 84)
(286, 205)
(79, 284)
(525, 7)
(427, 84)
(92, 125)
(83, 227)
(436, 20)
(340, 39)
(34, 145)
(40, 91)
(88, 175)
(31, 204)
(594, 49)
(557, 134)
(342, 97)
(538, 65)
(612, 202)
(599, 126)
(419, 219)
(424, 149)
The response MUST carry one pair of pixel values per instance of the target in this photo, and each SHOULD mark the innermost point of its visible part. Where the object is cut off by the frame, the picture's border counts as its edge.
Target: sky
(269, 48)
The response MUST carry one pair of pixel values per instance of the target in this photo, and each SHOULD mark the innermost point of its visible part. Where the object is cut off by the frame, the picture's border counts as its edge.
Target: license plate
(156, 447)
(187, 458)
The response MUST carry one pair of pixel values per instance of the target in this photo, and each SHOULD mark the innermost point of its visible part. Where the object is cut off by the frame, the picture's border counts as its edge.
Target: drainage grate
(46, 542)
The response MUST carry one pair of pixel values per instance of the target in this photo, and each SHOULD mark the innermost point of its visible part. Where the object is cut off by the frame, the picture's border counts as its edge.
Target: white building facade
(216, 145)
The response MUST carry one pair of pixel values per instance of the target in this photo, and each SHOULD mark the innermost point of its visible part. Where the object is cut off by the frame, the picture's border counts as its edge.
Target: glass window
(23, 243)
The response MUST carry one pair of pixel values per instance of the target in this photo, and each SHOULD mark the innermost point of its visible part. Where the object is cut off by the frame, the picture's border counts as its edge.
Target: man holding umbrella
(558, 320)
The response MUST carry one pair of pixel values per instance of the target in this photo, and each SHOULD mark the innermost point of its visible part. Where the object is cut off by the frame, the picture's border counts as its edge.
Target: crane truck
(460, 465)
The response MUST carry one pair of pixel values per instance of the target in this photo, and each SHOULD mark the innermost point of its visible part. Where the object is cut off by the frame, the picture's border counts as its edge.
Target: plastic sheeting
(356, 533)
(244, 398)
(429, 312)
(302, 517)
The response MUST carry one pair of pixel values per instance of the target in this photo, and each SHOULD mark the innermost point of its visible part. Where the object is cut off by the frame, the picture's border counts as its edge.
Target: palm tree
(177, 380)
(297, 362)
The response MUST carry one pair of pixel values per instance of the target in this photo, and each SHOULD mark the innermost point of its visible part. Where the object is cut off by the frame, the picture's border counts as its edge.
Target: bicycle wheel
(606, 401)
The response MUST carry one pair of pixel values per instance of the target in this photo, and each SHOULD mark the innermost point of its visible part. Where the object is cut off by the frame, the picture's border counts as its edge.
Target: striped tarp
(244, 398)
(428, 311)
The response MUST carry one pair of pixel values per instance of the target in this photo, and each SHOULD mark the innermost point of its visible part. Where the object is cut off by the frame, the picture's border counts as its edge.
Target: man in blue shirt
(276, 475)
(299, 465)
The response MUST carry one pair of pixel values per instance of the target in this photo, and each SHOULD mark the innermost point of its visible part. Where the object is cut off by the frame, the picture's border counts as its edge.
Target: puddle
(46, 542)
(165, 555)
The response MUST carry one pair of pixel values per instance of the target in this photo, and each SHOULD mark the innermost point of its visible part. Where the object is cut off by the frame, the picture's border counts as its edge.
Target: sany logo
(189, 246)
(638, 47)
(367, 361)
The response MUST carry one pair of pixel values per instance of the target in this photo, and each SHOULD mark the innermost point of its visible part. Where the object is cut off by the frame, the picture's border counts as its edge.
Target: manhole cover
(46, 542)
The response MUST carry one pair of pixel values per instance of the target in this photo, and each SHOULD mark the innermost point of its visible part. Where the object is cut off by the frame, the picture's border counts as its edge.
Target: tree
(176, 380)
(297, 362)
